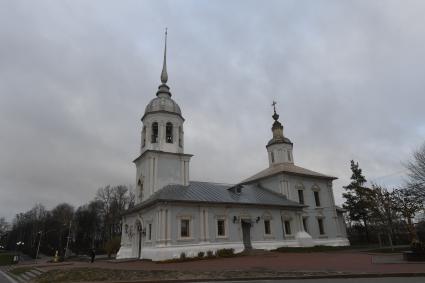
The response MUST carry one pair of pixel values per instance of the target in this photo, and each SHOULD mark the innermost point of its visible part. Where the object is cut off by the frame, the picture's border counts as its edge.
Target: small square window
(288, 227)
(184, 228)
(221, 227)
(267, 228)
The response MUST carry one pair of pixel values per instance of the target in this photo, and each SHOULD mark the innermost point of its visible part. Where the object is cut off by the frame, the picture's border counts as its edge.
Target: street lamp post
(67, 240)
(38, 246)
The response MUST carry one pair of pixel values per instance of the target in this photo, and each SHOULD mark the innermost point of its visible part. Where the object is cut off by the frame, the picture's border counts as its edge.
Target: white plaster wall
(166, 242)
(327, 211)
(280, 152)
(162, 119)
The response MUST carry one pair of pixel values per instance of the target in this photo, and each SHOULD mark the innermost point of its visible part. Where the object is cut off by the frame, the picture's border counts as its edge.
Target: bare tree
(4, 226)
(408, 204)
(416, 173)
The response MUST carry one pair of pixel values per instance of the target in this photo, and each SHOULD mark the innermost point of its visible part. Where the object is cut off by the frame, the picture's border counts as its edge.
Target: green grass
(6, 259)
(114, 275)
(389, 250)
(312, 249)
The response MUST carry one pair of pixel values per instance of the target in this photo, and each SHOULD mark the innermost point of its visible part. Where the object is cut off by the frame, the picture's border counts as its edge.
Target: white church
(283, 205)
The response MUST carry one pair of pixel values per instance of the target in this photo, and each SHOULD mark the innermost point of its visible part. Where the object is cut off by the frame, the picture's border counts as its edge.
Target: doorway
(246, 234)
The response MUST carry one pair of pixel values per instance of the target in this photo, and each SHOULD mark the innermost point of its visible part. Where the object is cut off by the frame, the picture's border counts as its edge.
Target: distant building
(283, 205)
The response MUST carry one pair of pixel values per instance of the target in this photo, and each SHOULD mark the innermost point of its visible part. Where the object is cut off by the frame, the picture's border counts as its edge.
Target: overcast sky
(75, 77)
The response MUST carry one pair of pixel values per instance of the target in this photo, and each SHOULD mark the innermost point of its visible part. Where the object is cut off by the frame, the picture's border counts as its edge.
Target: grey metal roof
(287, 168)
(214, 193)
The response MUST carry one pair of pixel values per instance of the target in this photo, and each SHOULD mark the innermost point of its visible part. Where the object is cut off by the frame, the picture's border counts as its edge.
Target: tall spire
(164, 89)
(164, 75)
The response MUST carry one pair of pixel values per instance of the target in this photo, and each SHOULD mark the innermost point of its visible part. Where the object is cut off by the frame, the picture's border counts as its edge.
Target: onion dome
(277, 130)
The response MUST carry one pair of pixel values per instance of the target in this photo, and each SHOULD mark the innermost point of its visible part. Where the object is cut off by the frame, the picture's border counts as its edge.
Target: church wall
(290, 184)
(166, 242)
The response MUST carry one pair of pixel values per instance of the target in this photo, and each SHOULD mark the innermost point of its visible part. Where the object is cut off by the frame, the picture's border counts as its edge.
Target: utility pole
(67, 240)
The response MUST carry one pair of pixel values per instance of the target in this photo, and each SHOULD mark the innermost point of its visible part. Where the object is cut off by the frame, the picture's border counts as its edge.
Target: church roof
(287, 168)
(215, 193)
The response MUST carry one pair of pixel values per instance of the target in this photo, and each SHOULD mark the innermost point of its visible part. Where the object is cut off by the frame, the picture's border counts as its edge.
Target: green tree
(358, 199)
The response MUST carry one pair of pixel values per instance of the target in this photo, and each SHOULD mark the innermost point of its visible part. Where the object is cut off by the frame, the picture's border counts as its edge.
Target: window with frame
(184, 228)
(288, 227)
(221, 227)
(150, 232)
(180, 137)
(144, 136)
(321, 228)
(301, 196)
(154, 136)
(267, 228)
(305, 224)
(140, 184)
(169, 132)
(317, 198)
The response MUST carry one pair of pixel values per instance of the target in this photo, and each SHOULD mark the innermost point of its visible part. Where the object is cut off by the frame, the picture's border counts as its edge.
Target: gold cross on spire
(274, 106)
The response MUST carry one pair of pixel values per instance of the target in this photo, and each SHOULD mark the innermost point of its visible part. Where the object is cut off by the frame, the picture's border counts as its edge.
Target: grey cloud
(75, 77)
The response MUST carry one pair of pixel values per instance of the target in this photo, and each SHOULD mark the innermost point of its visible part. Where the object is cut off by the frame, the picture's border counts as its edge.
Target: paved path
(354, 280)
(4, 279)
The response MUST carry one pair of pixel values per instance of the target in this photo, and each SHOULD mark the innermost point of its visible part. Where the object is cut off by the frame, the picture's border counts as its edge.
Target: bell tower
(279, 148)
(162, 160)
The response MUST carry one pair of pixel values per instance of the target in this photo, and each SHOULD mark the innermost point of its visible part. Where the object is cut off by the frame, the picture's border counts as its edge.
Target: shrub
(225, 253)
(112, 246)
(182, 256)
(6, 259)
(201, 254)
(417, 247)
(210, 253)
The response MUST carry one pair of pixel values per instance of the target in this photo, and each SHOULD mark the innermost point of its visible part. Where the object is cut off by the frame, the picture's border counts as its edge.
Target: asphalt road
(341, 280)
(4, 279)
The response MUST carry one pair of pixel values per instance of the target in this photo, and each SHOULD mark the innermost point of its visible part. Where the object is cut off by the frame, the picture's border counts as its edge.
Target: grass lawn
(312, 249)
(389, 250)
(100, 274)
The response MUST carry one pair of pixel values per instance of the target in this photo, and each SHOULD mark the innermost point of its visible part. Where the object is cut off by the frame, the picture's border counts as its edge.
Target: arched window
(180, 137)
(144, 136)
(272, 156)
(169, 132)
(140, 184)
(154, 137)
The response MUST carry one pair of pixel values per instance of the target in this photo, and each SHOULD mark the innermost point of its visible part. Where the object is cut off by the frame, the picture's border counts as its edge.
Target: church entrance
(246, 234)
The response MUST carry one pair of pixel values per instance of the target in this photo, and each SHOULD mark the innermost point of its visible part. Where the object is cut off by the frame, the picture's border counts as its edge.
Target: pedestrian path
(25, 274)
